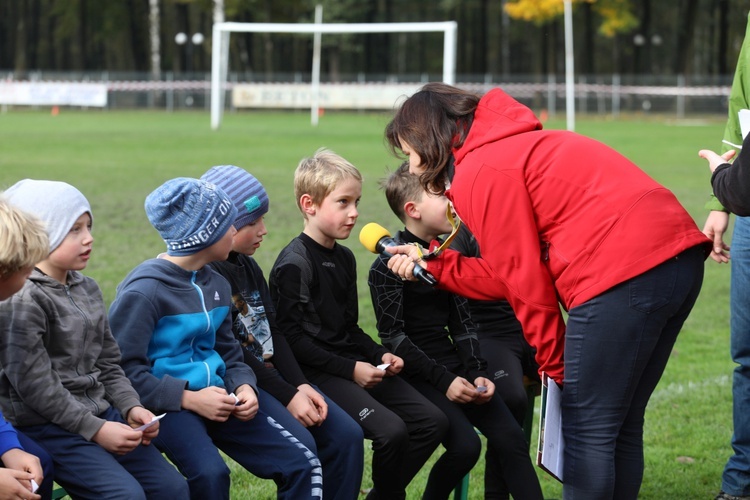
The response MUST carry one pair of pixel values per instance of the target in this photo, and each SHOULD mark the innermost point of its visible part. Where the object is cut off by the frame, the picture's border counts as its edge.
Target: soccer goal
(222, 31)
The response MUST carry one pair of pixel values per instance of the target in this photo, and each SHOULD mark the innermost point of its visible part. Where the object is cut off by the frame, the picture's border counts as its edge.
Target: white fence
(594, 95)
(53, 94)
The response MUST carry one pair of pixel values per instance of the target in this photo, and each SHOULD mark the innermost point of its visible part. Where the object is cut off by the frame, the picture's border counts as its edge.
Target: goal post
(222, 31)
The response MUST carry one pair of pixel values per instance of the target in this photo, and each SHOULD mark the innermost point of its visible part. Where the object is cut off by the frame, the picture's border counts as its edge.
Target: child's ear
(307, 204)
(411, 210)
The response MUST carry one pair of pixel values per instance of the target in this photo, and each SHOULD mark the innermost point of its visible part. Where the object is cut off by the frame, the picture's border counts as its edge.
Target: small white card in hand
(383, 367)
(34, 486)
(744, 116)
(153, 421)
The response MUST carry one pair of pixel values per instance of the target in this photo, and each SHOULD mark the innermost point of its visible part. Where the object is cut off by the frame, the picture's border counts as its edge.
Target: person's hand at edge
(27, 467)
(714, 159)
(715, 227)
(16, 484)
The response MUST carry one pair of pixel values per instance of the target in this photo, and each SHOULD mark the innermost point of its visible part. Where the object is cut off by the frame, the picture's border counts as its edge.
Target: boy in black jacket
(432, 331)
(314, 288)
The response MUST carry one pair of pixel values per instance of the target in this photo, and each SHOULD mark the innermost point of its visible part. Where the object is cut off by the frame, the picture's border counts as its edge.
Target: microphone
(377, 239)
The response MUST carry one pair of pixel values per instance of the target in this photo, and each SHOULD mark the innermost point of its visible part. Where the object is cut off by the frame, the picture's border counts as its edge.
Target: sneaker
(726, 496)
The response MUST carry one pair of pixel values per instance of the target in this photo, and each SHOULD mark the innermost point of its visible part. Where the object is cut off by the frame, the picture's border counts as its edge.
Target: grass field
(117, 158)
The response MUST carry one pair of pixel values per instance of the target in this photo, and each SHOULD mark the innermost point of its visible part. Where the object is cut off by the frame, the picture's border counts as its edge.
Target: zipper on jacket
(545, 250)
(88, 329)
(208, 323)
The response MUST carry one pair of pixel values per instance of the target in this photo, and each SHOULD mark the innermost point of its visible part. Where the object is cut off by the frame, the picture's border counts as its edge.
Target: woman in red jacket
(562, 220)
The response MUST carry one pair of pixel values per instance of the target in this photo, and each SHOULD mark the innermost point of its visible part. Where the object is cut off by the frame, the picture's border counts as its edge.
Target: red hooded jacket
(559, 218)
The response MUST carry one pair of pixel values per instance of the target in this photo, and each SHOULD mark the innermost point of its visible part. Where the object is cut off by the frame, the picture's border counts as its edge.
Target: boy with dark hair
(432, 331)
(172, 319)
(283, 392)
(61, 382)
(314, 288)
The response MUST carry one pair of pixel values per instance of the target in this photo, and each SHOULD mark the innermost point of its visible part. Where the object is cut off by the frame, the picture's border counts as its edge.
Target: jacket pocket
(554, 259)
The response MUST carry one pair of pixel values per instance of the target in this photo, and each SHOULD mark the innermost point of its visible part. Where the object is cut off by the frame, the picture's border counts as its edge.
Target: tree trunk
(505, 41)
(78, 56)
(154, 37)
(722, 49)
(19, 57)
(685, 32)
(641, 40)
(589, 53)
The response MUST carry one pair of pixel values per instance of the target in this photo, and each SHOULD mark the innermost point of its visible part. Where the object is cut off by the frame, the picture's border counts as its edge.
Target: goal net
(222, 31)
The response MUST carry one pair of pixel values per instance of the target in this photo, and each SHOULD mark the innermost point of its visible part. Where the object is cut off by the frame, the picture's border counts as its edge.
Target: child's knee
(395, 435)
(214, 473)
(349, 433)
(171, 485)
(465, 449)
(438, 422)
(127, 490)
(517, 402)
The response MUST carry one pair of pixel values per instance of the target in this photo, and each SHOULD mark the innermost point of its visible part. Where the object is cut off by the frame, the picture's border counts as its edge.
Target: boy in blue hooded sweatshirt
(172, 320)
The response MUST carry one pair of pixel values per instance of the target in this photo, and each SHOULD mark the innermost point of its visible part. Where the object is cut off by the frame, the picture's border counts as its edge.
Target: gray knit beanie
(246, 192)
(190, 214)
(56, 203)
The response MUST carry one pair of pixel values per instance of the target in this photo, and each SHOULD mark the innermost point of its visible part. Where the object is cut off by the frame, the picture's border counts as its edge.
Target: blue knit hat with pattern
(190, 214)
(246, 192)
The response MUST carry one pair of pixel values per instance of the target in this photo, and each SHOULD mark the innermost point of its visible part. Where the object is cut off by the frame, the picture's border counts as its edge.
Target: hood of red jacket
(498, 116)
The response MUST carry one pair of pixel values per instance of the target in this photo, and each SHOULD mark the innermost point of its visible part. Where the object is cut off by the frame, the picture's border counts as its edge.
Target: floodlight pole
(218, 77)
(220, 47)
(315, 88)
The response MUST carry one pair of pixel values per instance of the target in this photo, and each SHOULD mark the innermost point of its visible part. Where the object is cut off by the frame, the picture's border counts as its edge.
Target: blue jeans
(339, 442)
(86, 470)
(31, 446)
(736, 478)
(616, 348)
(260, 445)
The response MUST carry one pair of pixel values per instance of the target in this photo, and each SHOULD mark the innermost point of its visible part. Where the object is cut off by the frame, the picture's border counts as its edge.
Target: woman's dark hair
(433, 122)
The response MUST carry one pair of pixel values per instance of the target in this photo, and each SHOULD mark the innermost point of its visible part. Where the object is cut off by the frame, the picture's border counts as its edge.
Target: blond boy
(23, 243)
(314, 288)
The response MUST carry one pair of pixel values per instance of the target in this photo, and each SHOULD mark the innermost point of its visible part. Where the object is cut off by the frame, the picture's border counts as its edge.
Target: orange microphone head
(371, 234)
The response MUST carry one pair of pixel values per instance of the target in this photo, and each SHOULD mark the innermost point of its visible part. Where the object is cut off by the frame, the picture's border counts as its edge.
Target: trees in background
(497, 37)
